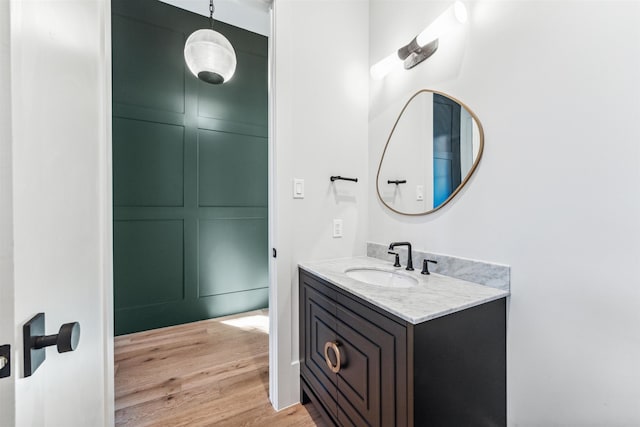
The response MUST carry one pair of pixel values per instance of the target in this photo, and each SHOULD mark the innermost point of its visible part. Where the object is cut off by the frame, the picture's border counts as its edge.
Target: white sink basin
(386, 278)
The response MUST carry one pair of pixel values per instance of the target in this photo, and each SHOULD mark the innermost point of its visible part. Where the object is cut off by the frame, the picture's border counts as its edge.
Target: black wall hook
(396, 181)
(334, 178)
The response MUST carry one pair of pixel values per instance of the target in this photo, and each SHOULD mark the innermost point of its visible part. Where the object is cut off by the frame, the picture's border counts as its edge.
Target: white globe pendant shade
(210, 56)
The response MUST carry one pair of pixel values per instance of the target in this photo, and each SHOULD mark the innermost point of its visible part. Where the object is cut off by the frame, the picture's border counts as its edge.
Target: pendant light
(209, 55)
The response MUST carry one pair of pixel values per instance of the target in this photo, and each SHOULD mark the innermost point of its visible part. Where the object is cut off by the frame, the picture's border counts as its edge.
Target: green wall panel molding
(189, 173)
(150, 163)
(231, 169)
(148, 262)
(240, 100)
(147, 77)
(205, 308)
(231, 255)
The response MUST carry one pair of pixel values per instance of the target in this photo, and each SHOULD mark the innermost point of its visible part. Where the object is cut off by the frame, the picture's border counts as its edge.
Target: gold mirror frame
(471, 170)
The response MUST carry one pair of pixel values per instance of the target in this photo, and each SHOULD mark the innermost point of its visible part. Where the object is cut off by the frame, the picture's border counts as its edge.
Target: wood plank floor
(200, 374)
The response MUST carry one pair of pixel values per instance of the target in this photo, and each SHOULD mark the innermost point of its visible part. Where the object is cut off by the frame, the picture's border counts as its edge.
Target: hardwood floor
(200, 374)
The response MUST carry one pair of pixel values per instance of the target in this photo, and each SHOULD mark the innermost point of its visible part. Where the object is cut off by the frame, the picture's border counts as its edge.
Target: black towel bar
(334, 178)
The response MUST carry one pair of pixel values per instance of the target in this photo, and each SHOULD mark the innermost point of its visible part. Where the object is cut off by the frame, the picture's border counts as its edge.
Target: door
(366, 383)
(360, 377)
(372, 379)
(56, 206)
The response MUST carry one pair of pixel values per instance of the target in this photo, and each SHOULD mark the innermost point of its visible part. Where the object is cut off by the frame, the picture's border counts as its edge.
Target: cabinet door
(319, 327)
(367, 379)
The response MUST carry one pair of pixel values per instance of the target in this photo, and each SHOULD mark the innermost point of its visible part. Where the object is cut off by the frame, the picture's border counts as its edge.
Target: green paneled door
(189, 173)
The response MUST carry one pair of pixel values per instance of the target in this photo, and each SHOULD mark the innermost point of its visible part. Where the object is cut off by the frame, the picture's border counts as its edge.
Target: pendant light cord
(211, 9)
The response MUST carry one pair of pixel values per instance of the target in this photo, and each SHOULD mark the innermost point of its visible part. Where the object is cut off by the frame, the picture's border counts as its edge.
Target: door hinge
(5, 361)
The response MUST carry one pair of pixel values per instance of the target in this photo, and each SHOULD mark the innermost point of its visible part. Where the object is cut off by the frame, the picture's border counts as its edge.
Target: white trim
(272, 209)
(106, 221)
(284, 377)
(8, 330)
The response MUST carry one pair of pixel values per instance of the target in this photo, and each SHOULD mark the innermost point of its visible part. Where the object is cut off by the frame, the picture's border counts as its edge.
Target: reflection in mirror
(434, 147)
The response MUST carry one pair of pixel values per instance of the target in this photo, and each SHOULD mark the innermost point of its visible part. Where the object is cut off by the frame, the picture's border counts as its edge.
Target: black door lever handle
(35, 341)
(65, 340)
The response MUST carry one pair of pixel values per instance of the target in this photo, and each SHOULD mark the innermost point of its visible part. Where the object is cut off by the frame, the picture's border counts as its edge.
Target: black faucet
(397, 260)
(425, 265)
(409, 258)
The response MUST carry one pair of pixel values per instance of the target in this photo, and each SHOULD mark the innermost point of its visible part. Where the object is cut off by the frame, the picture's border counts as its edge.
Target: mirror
(433, 148)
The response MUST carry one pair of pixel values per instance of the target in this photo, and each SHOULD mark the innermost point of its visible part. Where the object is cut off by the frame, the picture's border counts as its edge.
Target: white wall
(321, 102)
(556, 196)
(7, 395)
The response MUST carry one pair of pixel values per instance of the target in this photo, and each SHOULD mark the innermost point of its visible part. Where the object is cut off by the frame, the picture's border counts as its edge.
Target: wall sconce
(424, 44)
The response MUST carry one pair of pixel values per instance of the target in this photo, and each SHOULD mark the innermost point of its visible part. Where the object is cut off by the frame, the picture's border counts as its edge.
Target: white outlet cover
(337, 228)
(419, 193)
(298, 188)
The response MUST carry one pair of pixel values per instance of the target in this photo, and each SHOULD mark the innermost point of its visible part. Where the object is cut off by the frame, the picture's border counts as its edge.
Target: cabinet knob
(334, 346)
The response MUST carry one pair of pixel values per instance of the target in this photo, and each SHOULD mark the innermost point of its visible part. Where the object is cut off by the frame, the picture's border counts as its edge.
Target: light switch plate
(298, 188)
(337, 228)
(419, 193)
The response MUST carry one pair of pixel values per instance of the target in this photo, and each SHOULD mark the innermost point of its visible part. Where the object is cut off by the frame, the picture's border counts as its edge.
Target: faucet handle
(397, 262)
(425, 266)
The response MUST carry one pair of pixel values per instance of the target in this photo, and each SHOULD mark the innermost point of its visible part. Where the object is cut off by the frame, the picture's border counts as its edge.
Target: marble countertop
(434, 295)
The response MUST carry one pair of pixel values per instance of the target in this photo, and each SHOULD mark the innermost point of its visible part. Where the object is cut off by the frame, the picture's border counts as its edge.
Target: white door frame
(284, 367)
(273, 240)
(7, 326)
(107, 221)
(280, 398)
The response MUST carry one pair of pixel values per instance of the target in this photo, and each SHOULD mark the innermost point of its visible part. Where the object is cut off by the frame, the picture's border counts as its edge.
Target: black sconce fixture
(423, 45)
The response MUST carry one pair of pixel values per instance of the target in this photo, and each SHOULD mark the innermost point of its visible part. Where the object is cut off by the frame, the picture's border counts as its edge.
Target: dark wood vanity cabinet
(362, 366)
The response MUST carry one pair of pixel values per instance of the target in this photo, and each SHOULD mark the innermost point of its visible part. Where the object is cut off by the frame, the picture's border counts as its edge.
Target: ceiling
(252, 15)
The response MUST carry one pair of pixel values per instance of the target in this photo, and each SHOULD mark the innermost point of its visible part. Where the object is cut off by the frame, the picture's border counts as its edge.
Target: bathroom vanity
(430, 351)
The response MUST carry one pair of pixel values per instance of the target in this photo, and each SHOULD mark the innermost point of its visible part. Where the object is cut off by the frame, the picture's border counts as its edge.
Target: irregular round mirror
(432, 151)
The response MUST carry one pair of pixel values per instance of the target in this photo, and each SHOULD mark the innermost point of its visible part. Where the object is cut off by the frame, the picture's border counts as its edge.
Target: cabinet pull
(333, 345)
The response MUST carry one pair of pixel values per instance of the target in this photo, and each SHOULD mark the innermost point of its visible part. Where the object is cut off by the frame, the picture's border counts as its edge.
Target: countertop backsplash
(485, 273)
